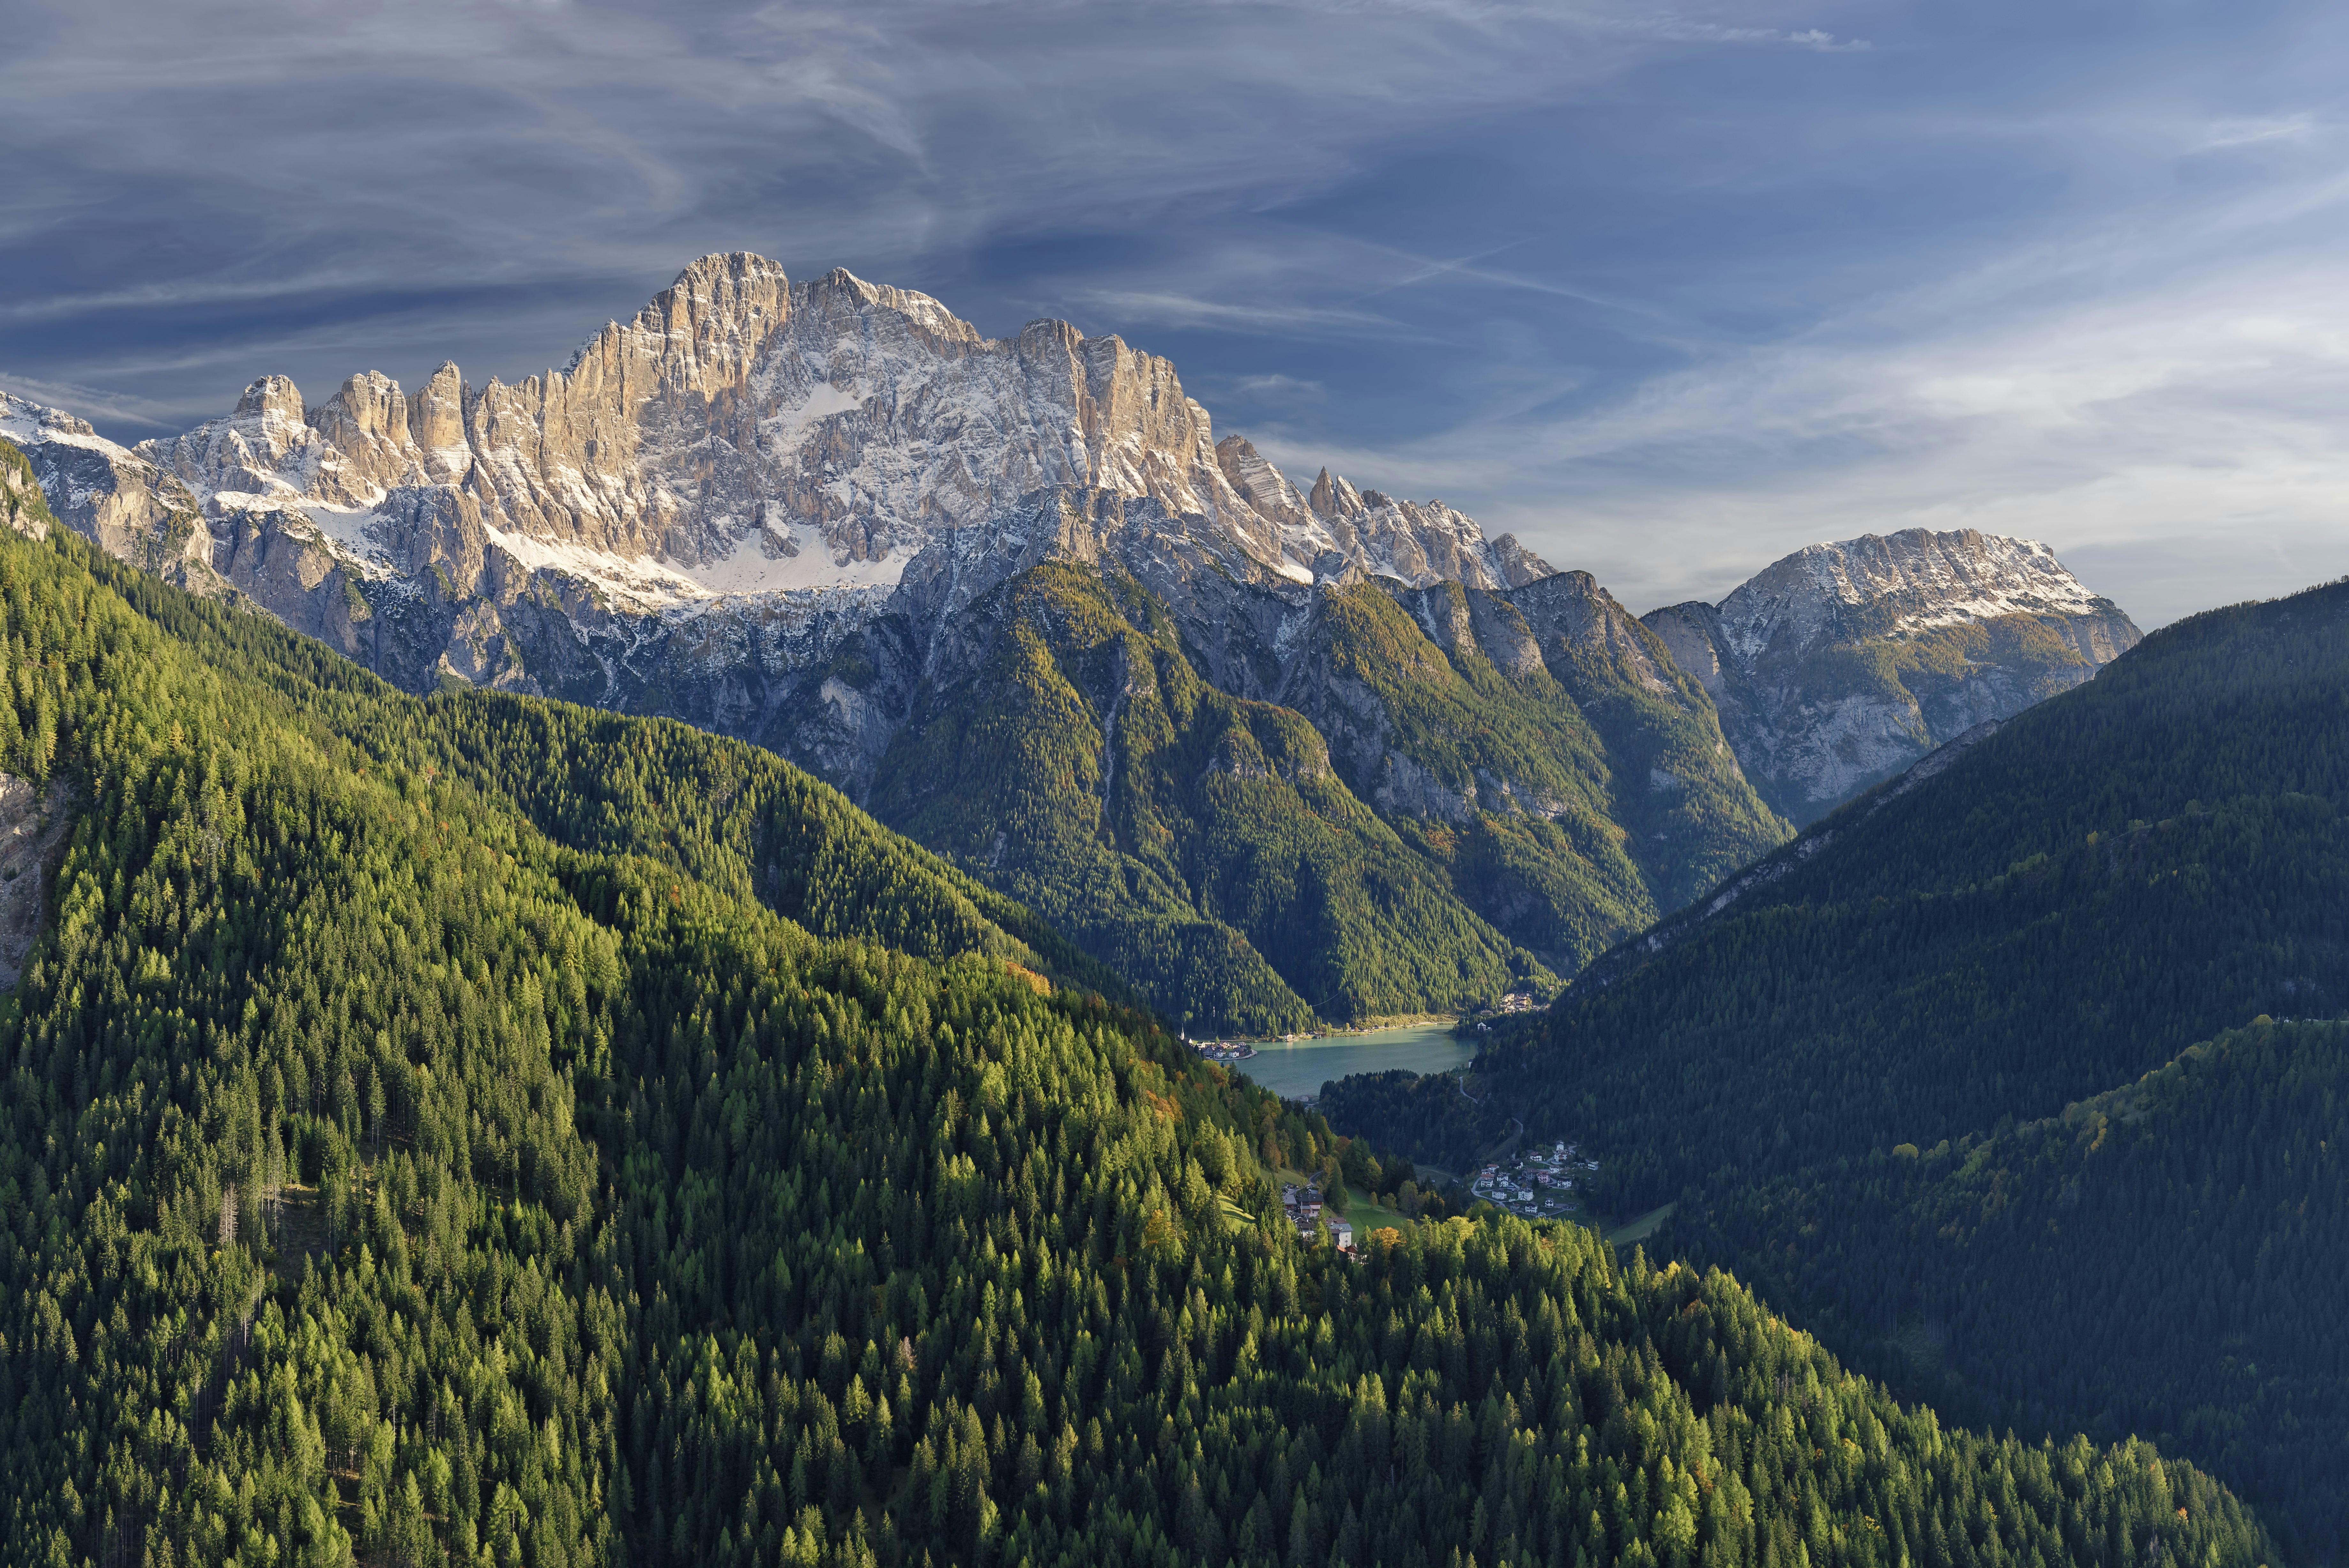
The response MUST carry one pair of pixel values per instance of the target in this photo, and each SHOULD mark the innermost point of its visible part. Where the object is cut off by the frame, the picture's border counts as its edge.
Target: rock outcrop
(34, 826)
(1842, 664)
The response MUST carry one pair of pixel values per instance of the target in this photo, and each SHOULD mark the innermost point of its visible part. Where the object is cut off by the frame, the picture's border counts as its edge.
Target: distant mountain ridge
(735, 481)
(1840, 665)
(811, 516)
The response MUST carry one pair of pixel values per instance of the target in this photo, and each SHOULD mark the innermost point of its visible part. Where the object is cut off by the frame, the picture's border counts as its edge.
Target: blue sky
(1667, 292)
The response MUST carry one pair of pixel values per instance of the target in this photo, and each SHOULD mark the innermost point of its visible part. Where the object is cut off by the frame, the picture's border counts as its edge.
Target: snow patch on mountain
(765, 563)
(28, 424)
(1811, 727)
(1923, 579)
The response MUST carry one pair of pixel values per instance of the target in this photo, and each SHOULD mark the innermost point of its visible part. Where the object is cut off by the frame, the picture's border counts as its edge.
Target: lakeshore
(1296, 1069)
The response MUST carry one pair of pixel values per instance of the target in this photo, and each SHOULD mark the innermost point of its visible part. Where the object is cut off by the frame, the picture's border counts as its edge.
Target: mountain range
(1279, 754)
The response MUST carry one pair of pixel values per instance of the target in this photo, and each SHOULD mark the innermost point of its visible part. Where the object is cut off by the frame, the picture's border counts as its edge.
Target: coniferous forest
(1989, 1077)
(473, 1130)
(2162, 1259)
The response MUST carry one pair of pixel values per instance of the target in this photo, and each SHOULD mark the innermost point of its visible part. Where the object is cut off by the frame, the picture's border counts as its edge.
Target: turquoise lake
(1300, 1069)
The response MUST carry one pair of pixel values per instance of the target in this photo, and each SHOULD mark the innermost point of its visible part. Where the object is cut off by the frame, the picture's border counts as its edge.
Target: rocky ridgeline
(1841, 664)
(694, 513)
(780, 510)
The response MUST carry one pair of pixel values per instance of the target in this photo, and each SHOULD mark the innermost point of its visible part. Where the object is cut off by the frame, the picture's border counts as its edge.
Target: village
(1313, 1221)
(1517, 1002)
(1536, 1185)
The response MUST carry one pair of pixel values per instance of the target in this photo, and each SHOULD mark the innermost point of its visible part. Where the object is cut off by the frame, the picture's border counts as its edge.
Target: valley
(1989, 1077)
(1426, 785)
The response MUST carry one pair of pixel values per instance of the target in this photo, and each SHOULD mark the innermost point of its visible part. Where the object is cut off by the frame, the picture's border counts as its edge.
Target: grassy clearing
(1643, 1228)
(1366, 1217)
(1363, 1213)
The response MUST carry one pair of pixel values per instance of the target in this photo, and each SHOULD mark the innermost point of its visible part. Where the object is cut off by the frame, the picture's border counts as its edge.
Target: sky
(1667, 292)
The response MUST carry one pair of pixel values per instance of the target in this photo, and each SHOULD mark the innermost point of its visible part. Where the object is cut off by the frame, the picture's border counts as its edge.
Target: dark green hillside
(2116, 874)
(1200, 844)
(384, 1180)
(736, 818)
(2148, 861)
(2165, 1259)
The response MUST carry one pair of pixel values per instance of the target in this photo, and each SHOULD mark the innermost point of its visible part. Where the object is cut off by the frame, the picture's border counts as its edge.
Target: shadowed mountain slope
(2160, 1258)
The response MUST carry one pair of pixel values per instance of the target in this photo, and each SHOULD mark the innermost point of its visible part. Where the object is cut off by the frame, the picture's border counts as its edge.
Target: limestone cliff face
(1842, 664)
(24, 504)
(712, 501)
(744, 434)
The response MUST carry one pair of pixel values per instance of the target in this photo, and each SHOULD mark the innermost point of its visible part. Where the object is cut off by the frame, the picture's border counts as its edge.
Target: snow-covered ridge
(747, 434)
(28, 424)
(1922, 580)
(1811, 728)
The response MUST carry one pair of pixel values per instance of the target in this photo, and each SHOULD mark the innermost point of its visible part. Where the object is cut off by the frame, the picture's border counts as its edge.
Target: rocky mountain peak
(743, 434)
(712, 322)
(1908, 581)
(1518, 566)
(271, 397)
(1263, 486)
(25, 423)
(779, 465)
(1333, 497)
(436, 423)
(1962, 628)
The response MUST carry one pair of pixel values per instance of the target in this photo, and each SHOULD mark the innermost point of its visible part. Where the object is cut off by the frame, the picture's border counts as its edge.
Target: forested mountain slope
(1409, 824)
(2120, 872)
(401, 1161)
(2020, 924)
(1541, 744)
(1200, 844)
(2162, 1259)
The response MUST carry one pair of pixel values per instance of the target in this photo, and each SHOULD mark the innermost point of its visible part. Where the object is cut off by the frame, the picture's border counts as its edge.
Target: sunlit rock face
(698, 513)
(1841, 664)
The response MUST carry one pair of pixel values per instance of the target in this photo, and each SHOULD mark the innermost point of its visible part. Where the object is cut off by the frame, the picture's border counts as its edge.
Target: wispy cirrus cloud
(2183, 443)
(96, 402)
(1274, 391)
(1149, 307)
(2251, 133)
